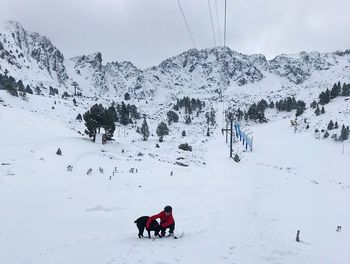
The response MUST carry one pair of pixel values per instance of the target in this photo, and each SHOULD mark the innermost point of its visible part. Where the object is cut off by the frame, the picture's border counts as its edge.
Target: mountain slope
(37, 62)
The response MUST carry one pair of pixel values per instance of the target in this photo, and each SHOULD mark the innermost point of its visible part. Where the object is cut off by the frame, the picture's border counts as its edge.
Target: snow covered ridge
(30, 56)
(33, 59)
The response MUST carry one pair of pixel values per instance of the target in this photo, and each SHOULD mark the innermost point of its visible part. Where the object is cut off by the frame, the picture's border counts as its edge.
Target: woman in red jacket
(166, 220)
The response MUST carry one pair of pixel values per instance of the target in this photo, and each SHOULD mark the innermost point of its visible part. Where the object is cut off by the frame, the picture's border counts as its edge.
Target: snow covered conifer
(346, 90)
(336, 125)
(330, 125)
(326, 134)
(300, 111)
(113, 113)
(336, 90)
(162, 130)
(317, 111)
(124, 115)
(344, 134)
(184, 133)
(94, 119)
(145, 130)
(79, 117)
(108, 123)
(323, 110)
(29, 90)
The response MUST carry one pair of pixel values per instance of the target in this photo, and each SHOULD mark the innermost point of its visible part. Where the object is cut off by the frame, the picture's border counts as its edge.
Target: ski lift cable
(217, 21)
(211, 22)
(188, 28)
(225, 23)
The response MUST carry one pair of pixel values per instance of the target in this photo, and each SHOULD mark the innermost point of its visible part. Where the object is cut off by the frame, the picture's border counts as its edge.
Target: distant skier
(166, 220)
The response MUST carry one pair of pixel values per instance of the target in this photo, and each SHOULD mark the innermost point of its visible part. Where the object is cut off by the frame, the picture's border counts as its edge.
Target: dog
(141, 225)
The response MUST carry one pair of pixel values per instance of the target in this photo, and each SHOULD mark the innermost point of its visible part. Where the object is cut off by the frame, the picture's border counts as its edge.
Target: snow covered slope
(230, 213)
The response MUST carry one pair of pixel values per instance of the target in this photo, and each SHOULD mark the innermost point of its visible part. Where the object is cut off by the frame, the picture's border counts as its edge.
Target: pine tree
(330, 125)
(300, 111)
(325, 97)
(184, 133)
(172, 117)
(94, 120)
(317, 111)
(162, 130)
(323, 110)
(79, 117)
(113, 113)
(126, 96)
(145, 130)
(124, 115)
(346, 89)
(313, 104)
(336, 90)
(336, 125)
(344, 134)
(108, 123)
(188, 120)
(29, 90)
(326, 134)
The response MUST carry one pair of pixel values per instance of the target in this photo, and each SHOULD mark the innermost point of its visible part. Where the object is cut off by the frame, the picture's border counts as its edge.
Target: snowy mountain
(30, 56)
(36, 61)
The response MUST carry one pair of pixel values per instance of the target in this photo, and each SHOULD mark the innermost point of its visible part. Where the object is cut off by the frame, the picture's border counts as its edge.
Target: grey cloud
(147, 32)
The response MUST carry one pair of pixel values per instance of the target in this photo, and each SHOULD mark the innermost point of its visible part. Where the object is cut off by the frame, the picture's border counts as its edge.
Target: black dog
(141, 225)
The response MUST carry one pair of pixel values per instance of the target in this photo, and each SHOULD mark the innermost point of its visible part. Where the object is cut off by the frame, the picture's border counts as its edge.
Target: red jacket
(165, 220)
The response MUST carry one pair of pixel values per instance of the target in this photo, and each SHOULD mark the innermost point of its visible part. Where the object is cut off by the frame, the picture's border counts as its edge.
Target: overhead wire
(211, 21)
(188, 28)
(225, 24)
(225, 81)
(217, 20)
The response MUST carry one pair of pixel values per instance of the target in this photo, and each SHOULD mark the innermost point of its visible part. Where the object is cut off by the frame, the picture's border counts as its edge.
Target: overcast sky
(149, 31)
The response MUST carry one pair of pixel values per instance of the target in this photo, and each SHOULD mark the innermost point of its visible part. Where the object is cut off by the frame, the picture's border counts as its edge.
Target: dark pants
(171, 229)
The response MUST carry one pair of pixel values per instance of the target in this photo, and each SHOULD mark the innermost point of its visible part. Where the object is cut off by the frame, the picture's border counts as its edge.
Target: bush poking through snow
(326, 134)
(185, 147)
(298, 236)
(236, 158)
(59, 152)
(172, 117)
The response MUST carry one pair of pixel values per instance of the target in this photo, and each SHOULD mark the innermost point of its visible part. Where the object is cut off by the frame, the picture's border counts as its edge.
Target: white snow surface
(247, 212)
